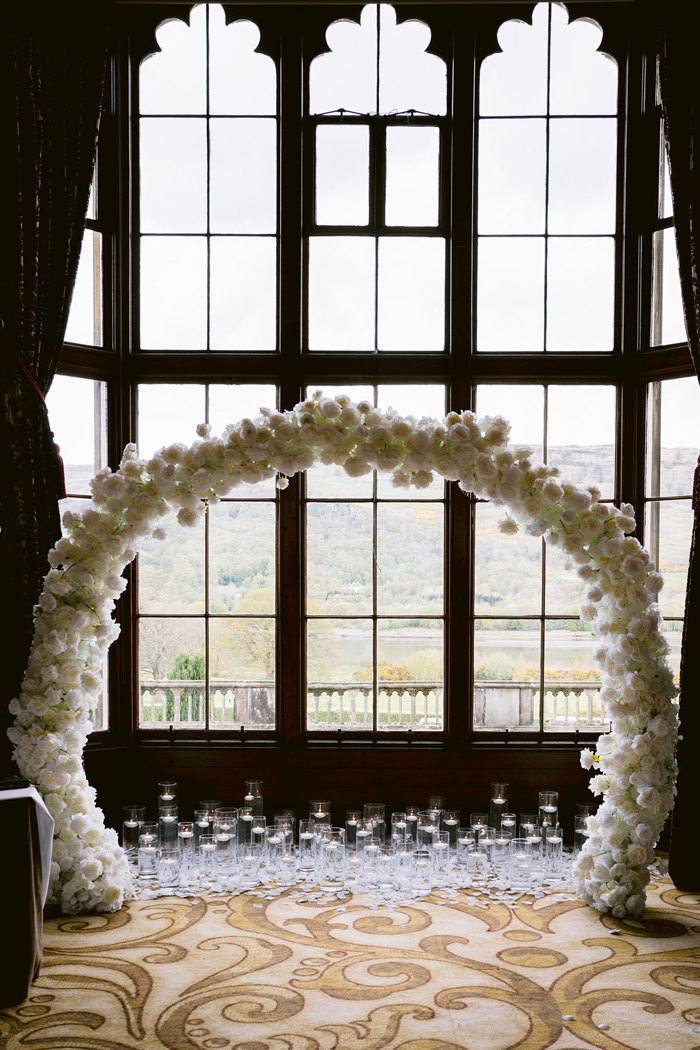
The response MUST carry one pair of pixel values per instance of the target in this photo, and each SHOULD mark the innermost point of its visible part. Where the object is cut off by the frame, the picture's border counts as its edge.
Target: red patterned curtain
(52, 65)
(680, 99)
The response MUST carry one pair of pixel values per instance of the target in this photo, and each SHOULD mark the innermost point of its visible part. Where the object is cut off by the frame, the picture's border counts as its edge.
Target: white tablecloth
(44, 823)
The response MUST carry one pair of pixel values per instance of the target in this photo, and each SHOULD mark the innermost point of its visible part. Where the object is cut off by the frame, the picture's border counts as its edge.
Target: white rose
(485, 467)
(349, 415)
(400, 427)
(508, 527)
(188, 516)
(445, 466)
(588, 759)
(356, 467)
(551, 491)
(422, 479)
(654, 583)
(420, 440)
(388, 459)
(329, 407)
(417, 461)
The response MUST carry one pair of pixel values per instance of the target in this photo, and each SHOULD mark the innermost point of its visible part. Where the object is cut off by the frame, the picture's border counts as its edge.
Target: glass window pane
(571, 679)
(85, 314)
(512, 176)
(510, 294)
(580, 293)
(332, 481)
(514, 81)
(232, 402)
(174, 79)
(582, 79)
(171, 672)
(564, 591)
(242, 673)
(99, 714)
(673, 436)
(243, 176)
(410, 558)
(410, 674)
(243, 293)
(340, 674)
(92, 199)
(409, 77)
(241, 81)
(78, 418)
(665, 196)
(418, 400)
(581, 428)
(673, 634)
(341, 293)
(582, 168)
(345, 77)
(522, 405)
(667, 323)
(413, 399)
(506, 674)
(173, 175)
(342, 175)
(411, 293)
(168, 413)
(173, 293)
(412, 176)
(242, 570)
(508, 569)
(670, 551)
(171, 571)
(339, 558)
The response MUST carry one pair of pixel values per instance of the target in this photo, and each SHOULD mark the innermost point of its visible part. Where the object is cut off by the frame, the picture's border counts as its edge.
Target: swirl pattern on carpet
(444, 973)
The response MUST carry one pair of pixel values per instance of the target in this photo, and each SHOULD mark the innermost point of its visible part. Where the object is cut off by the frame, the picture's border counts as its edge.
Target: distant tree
(186, 667)
(253, 639)
(160, 640)
(190, 666)
(385, 673)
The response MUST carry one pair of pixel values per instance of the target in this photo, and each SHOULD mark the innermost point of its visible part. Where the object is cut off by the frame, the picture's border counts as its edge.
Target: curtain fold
(52, 69)
(679, 83)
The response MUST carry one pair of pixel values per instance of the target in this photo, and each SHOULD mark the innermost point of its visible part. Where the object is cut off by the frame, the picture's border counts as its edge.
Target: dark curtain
(52, 69)
(679, 78)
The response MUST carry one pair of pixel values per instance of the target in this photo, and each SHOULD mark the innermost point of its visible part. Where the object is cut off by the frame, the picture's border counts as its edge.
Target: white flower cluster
(74, 625)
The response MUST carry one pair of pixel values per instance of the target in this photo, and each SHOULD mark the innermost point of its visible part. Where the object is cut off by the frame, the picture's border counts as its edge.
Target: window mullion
(459, 182)
(293, 195)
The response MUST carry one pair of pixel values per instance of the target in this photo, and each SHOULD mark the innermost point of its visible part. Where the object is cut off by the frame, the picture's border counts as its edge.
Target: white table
(45, 825)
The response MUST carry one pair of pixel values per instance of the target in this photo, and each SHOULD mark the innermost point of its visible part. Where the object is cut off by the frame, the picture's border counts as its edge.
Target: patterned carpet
(249, 973)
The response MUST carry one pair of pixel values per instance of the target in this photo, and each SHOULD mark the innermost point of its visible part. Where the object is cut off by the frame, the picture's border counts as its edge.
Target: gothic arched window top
(378, 66)
(207, 66)
(552, 66)
(548, 179)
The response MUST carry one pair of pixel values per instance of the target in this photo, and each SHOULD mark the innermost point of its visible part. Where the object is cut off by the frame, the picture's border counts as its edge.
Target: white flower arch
(74, 625)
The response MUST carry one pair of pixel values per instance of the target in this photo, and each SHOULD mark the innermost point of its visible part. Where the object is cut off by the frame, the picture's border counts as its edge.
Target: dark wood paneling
(346, 775)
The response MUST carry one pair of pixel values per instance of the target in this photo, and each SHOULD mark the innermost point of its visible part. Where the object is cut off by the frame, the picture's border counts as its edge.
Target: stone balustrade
(401, 705)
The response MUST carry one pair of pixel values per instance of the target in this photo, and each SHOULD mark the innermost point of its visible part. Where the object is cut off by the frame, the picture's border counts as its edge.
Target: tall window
(547, 215)
(207, 148)
(425, 207)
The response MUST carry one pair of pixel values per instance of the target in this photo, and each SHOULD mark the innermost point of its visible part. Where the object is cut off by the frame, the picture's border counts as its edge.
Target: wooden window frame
(463, 33)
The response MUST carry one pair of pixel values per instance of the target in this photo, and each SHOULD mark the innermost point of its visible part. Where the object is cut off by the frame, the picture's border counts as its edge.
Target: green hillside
(343, 567)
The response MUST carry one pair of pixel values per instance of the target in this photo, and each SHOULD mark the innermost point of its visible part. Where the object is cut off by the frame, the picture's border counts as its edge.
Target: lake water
(494, 649)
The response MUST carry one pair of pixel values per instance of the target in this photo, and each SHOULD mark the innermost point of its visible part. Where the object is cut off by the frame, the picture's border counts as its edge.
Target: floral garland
(74, 626)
